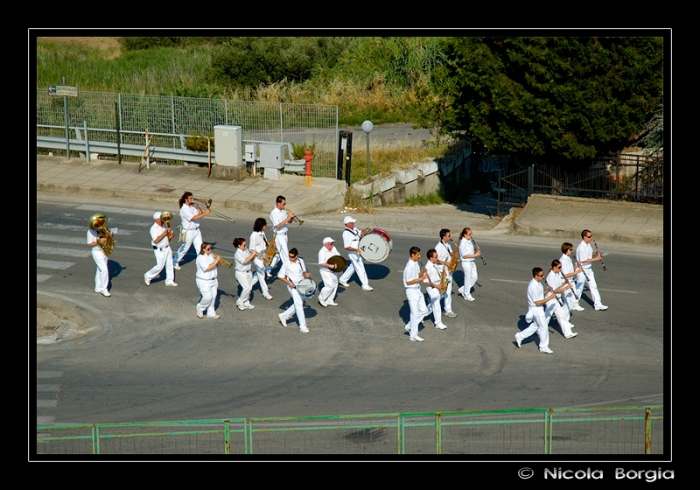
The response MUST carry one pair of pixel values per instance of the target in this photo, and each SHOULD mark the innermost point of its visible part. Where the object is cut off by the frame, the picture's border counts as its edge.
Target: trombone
(207, 203)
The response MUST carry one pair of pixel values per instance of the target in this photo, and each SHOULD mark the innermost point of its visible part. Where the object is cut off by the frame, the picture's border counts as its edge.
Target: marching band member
(101, 261)
(330, 278)
(243, 258)
(561, 310)
(567, 269)
(207, 282)
(412, 277)
(585, 255)
(291, 272)
(432, 286)
(160, 241)
(190, 214)
(351, 242)
(258, 243)
(535, 313)
(280, 219)
(444, 251)
(467, 254)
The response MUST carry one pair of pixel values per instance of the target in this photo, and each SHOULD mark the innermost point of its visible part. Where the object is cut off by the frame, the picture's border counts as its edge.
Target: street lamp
(367, 126)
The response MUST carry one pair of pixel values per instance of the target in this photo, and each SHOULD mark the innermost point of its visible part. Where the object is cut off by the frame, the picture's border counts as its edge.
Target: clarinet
(601, 255)
(573, 291)
(579, 264)
(478, 248)
(549, 289)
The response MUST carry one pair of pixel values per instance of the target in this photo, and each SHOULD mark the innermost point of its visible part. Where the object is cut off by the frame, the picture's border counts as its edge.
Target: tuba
(166, 217)
(271, 251)
(98, 222)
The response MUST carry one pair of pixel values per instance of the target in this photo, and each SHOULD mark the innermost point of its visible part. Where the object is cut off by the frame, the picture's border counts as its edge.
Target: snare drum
(306, 288)
(375, 246)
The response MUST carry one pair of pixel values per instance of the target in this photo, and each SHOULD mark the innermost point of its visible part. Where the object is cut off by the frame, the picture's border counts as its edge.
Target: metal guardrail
(606, 430)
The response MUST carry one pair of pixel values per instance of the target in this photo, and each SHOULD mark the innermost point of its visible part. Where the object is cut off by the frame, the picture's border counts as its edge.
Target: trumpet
(297, 219)
(207, 203)
(223, 261)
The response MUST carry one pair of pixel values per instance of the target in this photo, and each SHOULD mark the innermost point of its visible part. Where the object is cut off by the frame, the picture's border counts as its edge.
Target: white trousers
(247, 281)
(192, 237)
(355, 265)
(434, 295)
(281, 242)
(208, 288)
(164, 259)
(592, 286)
(539, 325)
(102, 272)
(570, 297)
(260, 276)
(419, 310)
(562, 314)
(470, 276)
(447, 297)
(297, 307)
(330, 286)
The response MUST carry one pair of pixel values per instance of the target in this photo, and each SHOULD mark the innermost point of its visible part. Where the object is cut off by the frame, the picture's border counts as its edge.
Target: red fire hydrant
(308, 180)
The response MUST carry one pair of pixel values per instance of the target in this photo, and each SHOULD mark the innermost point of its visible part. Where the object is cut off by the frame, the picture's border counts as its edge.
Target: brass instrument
(297, 219)
(207, 203)
(98, 222)
(339, 262)
(454, 259)
(444, 282)
(271, 251)
(166, 217)
(223, 261)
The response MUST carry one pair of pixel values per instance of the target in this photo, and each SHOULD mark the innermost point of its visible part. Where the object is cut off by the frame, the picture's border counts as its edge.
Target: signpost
(64, 91)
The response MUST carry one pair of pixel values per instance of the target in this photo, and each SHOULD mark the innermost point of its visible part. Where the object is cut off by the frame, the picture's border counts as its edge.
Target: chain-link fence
(170, 119)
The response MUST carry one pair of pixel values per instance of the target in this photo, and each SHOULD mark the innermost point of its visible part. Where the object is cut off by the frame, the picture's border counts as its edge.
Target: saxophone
(271, 251)
(454, 259)
(444, 282)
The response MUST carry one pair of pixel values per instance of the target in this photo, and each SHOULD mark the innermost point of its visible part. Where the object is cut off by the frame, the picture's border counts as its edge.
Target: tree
(551, 97)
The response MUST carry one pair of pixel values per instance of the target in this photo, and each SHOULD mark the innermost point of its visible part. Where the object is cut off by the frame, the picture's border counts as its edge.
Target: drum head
(374, 248)
(306, 288)
(338, 261)
(383, 233)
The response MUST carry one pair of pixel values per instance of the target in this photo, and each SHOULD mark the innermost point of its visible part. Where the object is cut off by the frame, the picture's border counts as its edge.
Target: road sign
(63, 91)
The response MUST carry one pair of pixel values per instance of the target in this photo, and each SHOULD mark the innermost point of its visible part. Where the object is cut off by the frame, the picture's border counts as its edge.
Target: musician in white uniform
(243, 259)
(328, 274)
(160, 241)
(258, 243)
(101, 261)
(568, 270)
(207, 281)
(412, 277)
(467, 254)
(280, 219)
(559, 308)
(351, 242)
(432, 286)
(444, 251)
(586, 256)
(535, 313)
(291, 272)
(190, 214)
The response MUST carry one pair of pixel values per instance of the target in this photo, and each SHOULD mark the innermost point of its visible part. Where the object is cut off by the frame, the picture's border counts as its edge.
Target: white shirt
(434, 273)
(567, 266)
(584, 251)
(554, 280)
(324, 254)
(204, 261)
(444, 251)
(276, 217)
(92, 236)
(239, 256)
(156, 231)
(258, 242)
(534, 293)
(410, 272)
(294, 271)
(351, 238)
(466, 247)
(186, 214)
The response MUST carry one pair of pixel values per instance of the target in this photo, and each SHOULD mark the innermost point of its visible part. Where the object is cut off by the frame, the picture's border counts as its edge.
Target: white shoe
(105, 293)
(441, 326)
(177, 267)
(518, 338)
(578, 308)
(268, 274)
(214, 316)
(146, 280)
(601, 308)
(571, 335)
(304, 329)
(546, 350)
(344, 284)
(461, 290)
(469, 297)
(267, 296)
(171, 284)
(416, 339)
(572, 325)
(322, 303)
(450, 314)
(407, 327)
(240, 307)
(249, 306)
(330, 303)
(200, 314)
(283, 320)
(367, 288)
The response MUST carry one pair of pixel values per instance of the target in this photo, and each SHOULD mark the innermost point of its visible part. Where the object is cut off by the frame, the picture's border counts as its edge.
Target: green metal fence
(588, 431)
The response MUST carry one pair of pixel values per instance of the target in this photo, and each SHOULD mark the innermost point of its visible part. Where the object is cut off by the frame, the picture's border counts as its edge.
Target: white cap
(328, 240)
(349, 219)
(156, 215)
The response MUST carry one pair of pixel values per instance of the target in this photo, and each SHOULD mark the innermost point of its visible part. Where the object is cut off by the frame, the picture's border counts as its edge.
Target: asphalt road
(142, 354)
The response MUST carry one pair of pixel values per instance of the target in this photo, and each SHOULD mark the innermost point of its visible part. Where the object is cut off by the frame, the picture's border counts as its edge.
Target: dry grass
(109, 45)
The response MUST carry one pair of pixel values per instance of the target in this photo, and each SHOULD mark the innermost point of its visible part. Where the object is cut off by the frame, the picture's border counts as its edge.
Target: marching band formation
(557, 295)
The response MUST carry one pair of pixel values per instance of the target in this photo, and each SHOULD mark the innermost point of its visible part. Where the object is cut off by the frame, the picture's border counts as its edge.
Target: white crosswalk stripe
(68, 252)
(53, 264)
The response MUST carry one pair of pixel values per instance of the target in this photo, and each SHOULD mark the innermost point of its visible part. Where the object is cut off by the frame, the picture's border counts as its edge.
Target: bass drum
(375, 246)
(306, 288)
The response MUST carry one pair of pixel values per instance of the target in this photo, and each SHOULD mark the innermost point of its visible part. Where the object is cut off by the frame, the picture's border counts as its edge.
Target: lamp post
(367, 126)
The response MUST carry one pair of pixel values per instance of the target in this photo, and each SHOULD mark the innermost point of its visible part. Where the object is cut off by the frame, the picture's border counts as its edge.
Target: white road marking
(70, 252)
(42, 277)
(54, 264)
(599, 289)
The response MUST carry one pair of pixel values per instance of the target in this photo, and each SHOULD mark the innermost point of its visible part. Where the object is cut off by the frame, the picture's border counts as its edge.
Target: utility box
(228, 145)
(272, 159)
